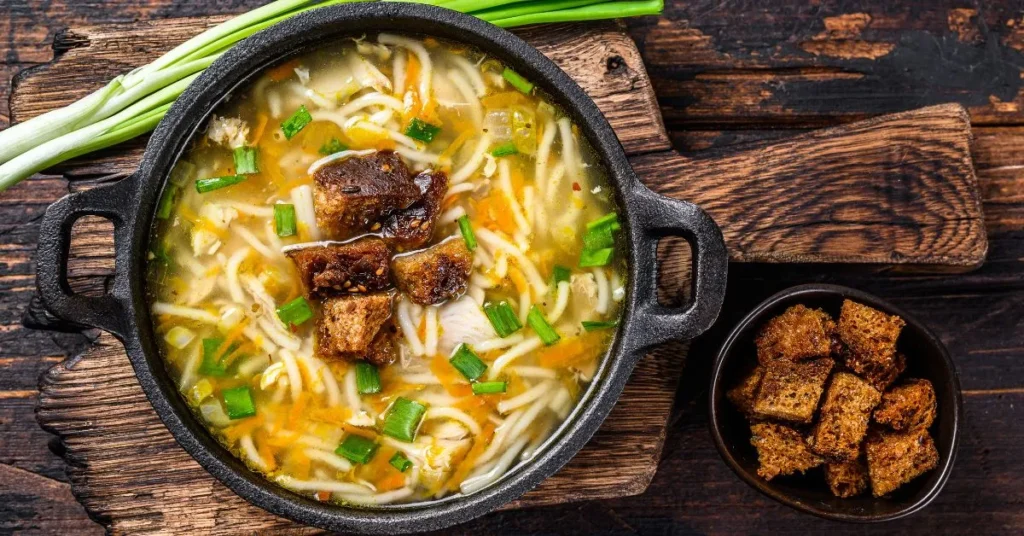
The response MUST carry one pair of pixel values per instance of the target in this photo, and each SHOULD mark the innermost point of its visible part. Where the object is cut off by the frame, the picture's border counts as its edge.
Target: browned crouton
(908, 406)
(844, 417)
(869, 338)
(798, 333)
(781, 450)
(382, 351)
(436, 274)
(413, 227)
(333, 269)
(790, 390)
(354, 195)
(847, 479)
(350, 327)
(743, 395)
(895, 458)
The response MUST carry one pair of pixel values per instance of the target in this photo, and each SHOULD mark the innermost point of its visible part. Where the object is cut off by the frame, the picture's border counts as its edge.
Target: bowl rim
(948, 457)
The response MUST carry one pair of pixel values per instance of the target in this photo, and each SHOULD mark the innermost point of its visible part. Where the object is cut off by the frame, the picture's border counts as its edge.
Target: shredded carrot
(494, 213)
(355, 430)
(283, 71)
(571, 351)
(322, 496)
(297, 411)
(245, 427)
(391, 482)
(467, 463)
(335, 416)
(263, 448)
(450, 380)
(233, 335)
(261, 125)
(518, 279)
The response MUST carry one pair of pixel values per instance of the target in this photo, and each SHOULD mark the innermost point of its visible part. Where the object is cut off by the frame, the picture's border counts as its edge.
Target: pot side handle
(109, 312)
(661, 217)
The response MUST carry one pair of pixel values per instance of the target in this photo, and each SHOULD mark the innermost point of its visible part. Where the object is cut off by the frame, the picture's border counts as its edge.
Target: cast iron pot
(130, 204)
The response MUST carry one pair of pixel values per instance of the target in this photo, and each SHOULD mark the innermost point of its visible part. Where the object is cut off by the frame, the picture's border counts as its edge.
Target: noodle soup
(386, 271)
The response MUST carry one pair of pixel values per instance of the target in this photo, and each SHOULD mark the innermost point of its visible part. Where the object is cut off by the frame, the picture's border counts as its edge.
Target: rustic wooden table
(725, 73)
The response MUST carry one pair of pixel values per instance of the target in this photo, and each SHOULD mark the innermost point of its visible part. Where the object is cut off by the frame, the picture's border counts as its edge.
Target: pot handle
(661, 217)
(109, 312)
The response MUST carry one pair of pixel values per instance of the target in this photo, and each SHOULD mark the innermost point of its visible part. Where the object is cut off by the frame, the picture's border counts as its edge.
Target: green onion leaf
(216, 183)
(245, 160)
(296, 122)
(163, 211)
(367, 378)
(333, 146)
(561, 273)
(213, 364)
(400, 462)
(601, 257)
(540, 325)
(284, 219)
(467, 362)
(505, 149)
(517, 81)
(467, 232)
(357, 449)
(422, 131)
(594, 325)
(503, 318)
(610, 220)
(238, 402)
(599, 238)
(489, 388)
(403, 419)
(295, 312)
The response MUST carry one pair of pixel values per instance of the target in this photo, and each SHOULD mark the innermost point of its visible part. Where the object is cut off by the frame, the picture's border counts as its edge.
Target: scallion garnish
(517, 81)
(296, 122)
(601, 257)
(467, 232)
(357, 449)
(400, 462)
(245, 160)
(238, 402)
(367, 379)
(489, 388)
(332, 146)
(422, 131)
(465, 360)
(503, 318)
(540, 325)
(216, 183)
(213, 364)
(403, 419)
(561, 273)
(594, 325)
(284, 219)
(163, 211)
(599, 241)
(295, 312)
(505, 149)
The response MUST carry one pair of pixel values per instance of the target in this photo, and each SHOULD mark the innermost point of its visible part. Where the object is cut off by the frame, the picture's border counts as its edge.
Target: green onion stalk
(133, 104)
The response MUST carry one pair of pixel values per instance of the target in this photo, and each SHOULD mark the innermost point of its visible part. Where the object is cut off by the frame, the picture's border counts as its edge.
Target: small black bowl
(926, 358)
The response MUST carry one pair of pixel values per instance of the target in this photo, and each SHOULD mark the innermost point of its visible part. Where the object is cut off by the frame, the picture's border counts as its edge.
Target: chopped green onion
(467, 362)
(601, 257)
(238, 402)
(599, 241)
(400, 462)
(610, 220)
(367, 379)
(296, 122)
(422, 131)
(517, 81)
(467, 232)
(403, 419)
(489, 388)
(216, 183)
(295, 312)
(333, 146)
(357, 449)
(505, 149)
(594, 325)
(540, 325)
(284, 219)
(503, 318)
(561, 273)
(167, 202)
(245, 160)
(599, 238)
(213, 364)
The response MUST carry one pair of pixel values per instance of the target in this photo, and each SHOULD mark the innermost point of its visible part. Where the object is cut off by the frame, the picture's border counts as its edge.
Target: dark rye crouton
(354, 195)
(895, 458)
(908, 406)
(743, 395)
(844, 417)
(781, 450)
(413, 227)
(798, 333)
(790, 391)
(357, 327)
(436, 274)
(869, 343)
(847, 479)
(333, 269)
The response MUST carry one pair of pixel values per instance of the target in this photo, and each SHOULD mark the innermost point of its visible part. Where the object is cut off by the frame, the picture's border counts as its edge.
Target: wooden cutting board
(897, 190)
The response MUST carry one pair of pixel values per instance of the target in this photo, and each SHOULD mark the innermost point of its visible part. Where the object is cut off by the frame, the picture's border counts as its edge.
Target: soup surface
(386, 271)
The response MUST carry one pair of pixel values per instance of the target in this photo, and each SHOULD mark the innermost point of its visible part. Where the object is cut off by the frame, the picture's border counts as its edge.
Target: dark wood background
(725, 73)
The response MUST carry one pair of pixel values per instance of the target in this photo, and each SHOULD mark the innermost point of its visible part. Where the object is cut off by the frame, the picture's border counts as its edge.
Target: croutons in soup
(386, 271)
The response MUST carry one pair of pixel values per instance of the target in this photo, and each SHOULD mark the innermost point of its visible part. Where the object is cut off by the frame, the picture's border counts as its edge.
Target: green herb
(601, 257)
(467, 362)
(517, 81)
(367, 378)
(216, 183)
(422, 131)
(400, 462)
(489, 388)
(357, 449)
(540, 325)
(238, 402)
(467, 232)
(600, 233)
(505, 149)
(213, 364)
(594, 325)
(284, 219)
(245, 160)
(561, 273)
(163, 211)
(296, 122)
(403, 419)
(295, 312)
(333, 146)
(503, 318)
